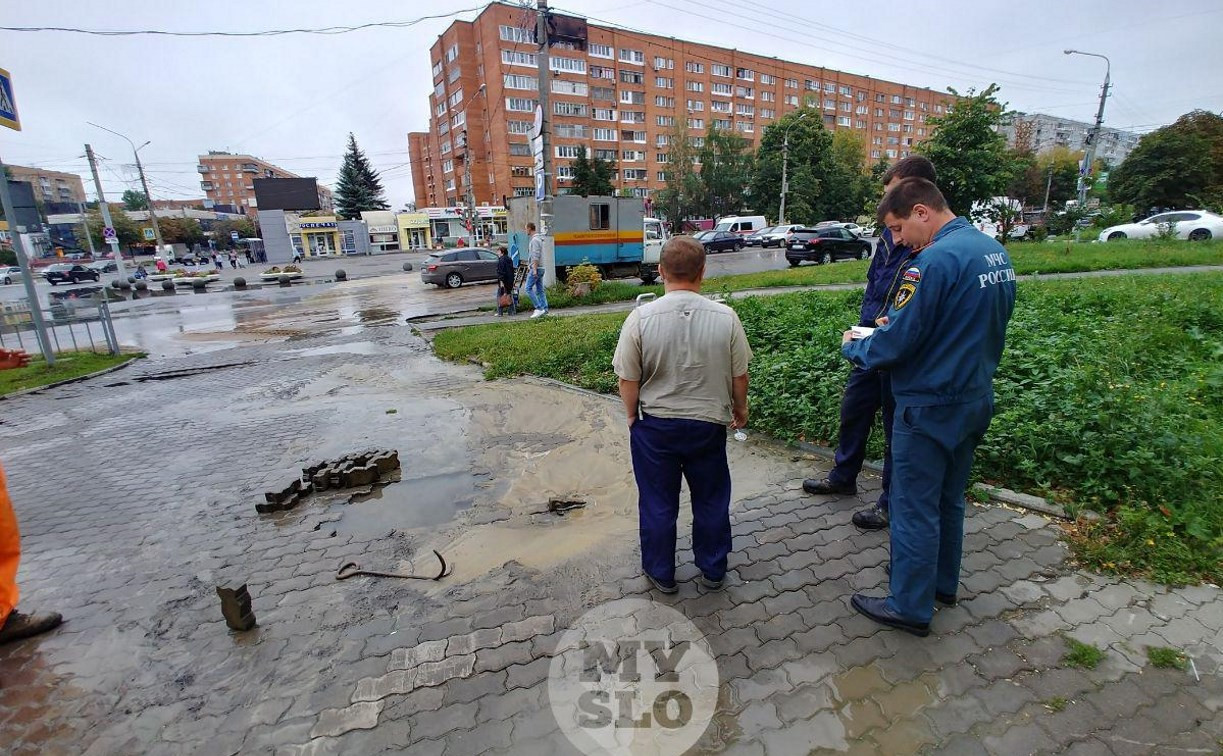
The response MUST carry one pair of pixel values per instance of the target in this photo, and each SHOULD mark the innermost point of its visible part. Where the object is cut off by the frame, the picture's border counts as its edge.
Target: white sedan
(1194, 225)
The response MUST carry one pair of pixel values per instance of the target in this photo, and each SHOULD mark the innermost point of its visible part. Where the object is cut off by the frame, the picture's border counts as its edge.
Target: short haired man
(535, 272)
(942, 341)
(868, 391)
(682, 363)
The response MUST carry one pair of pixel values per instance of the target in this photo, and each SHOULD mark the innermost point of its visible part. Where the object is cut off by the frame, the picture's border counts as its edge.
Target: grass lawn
(68, 365)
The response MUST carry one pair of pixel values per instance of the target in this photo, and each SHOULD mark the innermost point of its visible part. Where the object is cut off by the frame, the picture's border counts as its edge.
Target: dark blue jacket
(882, 278)
(947, 321)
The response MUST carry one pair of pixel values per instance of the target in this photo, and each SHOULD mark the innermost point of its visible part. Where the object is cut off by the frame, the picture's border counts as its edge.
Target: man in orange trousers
(14, 625)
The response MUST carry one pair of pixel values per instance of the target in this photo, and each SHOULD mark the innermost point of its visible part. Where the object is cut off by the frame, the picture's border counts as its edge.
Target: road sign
(149, 235)
(233, 235)
(8, 103)
(109, 235)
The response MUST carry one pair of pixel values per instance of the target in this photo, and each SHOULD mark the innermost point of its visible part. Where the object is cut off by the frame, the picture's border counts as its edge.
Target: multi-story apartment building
(50, 186)
(227, 179)
(622, 94)
(1044, 132)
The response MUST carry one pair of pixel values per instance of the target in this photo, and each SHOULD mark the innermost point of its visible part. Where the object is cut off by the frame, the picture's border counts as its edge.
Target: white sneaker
(537, 313)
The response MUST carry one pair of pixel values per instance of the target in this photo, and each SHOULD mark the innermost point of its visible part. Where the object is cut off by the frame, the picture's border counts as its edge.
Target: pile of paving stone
(350, 471)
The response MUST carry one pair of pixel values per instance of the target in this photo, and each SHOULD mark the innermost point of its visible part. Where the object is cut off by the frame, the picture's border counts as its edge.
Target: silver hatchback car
(453, 268)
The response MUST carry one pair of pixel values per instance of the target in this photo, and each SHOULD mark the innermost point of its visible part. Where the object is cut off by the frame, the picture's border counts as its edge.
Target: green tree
(358, 187)
(682, 197)
(726, 169)
(134, 200)
(221, 231)
(181, 231)
(592, 176)
(129, 232)
(1178, 166)
(848, 184)
(810, 165)
(968, 151)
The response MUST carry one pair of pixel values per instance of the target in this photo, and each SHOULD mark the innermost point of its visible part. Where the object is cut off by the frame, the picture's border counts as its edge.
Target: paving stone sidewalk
(137, 499)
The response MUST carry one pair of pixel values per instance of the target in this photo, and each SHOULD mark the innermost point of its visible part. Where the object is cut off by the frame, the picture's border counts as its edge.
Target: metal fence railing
(73, 325)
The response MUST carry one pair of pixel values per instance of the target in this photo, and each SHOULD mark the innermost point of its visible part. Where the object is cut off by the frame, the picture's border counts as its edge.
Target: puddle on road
(354, 347)
(413, 503)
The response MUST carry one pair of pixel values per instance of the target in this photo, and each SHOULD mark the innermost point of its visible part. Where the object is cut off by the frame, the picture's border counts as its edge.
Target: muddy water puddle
(352, 347)
(423, 502)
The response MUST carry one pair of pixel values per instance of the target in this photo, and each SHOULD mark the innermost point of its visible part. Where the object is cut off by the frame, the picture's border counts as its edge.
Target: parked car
(823, 245)
(721, 241)
(756, 238)
(11, 273)
(779, 236)
(69, 273)
(104, 266)
(452, 269)
(1194, 225)
(703, 235)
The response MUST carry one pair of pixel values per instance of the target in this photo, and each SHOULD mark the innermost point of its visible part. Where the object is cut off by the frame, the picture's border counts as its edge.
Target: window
(662, 140)
(599, 72)
(664, 102)
(452, 52)
(632, 77)
(811, 86)
(569, 65)
(921, 132)
(608, 155)
(767, 96)
(605, 135)
(601, 51)
(664, 176)
(860, 124)
(600, 216)
(879, 97)
(923, 107)
(662, 157)
(520, 171)
(604, 114)
(566, 151)
(636, 174)
(662, 82)
(579, 88)
(847, 107)
(791, 83)
(664, 120)
(515, 34)
(602, 93)
(443, 127)
(895, 101)
(696, 105)
(516, 58)
(439, 91)
(939, 107)
(875, 154)
(520, 104)
(909, 114)
(792, 100)
(440, 109)
(767, 79)
(513, 81)
(830, 87)
(447, 166)
(861, 110)
(891, 154)
(830, 104)
(718, 69)
(877, 140)
(908, 102)
(575, 109)
(628, 97)
(455, 73)
(437, 69)
(721, 89)
(696, 86)
(524, 191)
(893, 127)
(719, 107)
(745, 110)
(455, 98)
(845, 91)
(663, 63)
(632, 156)
(768, 113)
(697, 142)
(745, 126)
(572, 131)
(520, 149)
(632, 116)
(843, 121)
(631, 56)
(445, 148)
(637, 137)
(691, 67)
(450, 184)
(745, 73)
(696, 123)
(907, 128)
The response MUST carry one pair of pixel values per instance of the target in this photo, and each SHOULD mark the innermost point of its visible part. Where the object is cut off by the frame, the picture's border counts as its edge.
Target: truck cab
(655, 237)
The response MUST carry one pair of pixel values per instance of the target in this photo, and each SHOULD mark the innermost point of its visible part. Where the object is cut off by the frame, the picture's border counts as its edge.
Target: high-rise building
(50, 186)
(1044, 132)
(620, 94)
(227, 179)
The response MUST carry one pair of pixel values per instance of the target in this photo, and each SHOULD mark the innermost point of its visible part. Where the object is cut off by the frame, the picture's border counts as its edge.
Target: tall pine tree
(358, 187)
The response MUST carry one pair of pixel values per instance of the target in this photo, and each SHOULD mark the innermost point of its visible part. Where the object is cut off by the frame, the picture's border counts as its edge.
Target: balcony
(202, 169)
(250, 168)
(206, 186)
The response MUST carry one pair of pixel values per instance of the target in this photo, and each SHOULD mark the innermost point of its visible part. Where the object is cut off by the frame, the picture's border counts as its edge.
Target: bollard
(340, 275)
(141, 285)
(407, 266)
(239, 283)
(236, 607)
(199, 286)
(124, 286)
(286, 281)
(167, 285)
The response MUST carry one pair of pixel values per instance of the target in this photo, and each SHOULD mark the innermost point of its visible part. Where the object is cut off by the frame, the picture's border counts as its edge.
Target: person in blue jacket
(941, 340)
(868, 391)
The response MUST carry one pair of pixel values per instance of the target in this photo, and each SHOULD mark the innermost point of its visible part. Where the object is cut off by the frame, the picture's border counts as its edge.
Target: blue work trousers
(866, 392)
(663, 450)
(932, 457)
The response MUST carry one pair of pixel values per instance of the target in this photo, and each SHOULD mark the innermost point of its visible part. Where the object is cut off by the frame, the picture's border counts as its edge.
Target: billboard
(286, 193)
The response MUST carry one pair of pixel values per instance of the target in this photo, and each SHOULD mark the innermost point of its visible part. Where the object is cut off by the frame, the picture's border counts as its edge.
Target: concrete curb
(66, 381)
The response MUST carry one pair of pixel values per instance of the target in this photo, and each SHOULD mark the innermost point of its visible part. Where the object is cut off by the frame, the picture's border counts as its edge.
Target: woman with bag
(505, 283)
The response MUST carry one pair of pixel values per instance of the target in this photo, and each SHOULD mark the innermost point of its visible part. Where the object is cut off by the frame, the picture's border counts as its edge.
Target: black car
(721, 241)
(823, 245)
(69, 273)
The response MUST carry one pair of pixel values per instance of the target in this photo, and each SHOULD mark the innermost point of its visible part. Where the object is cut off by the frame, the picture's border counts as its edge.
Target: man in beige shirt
(682, 363)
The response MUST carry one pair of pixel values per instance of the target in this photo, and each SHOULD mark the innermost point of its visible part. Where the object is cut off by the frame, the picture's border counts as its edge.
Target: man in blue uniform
(942, 340)
(868, 391)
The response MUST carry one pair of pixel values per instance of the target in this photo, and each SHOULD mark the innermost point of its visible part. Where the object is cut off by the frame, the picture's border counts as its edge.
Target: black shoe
(710, 583)
(871, 519)
(19, 625)
(948, 599)
(671, 587)
(876, 609)
(826, 486)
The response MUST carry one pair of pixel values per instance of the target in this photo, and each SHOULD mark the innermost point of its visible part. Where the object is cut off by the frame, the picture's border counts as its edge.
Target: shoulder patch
(904, 294)
(912, 274)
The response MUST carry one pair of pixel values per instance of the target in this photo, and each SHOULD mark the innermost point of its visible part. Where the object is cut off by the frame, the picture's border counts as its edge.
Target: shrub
(583, 274)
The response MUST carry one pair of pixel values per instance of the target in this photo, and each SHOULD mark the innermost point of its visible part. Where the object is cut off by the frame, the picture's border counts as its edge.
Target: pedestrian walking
(216, 259)
(941, 339)
(505, 283)
(535, 272)
(869, 391)
(682, 366)
(233, 259)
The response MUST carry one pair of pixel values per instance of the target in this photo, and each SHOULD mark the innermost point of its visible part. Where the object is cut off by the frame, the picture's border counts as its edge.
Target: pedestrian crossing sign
(8, 103)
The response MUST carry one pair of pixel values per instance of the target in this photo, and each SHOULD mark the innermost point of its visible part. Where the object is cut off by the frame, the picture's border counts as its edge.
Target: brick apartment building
(50, 186)
(620, 93)
(227, 179)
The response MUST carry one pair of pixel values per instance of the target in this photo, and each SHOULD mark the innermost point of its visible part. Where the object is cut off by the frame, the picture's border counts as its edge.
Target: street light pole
(148, 198)
(1090, 158)
(785, 165)
(471, 191)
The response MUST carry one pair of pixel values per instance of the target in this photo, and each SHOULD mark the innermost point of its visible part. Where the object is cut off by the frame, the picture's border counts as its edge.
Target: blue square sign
(8, 103)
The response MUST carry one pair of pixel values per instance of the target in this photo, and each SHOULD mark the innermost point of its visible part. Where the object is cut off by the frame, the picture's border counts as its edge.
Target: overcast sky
(292, 99)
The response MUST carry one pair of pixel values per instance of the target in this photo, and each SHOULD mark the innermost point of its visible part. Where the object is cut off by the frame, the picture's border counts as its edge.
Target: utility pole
(27, 274)
(85, 223)
(472, 216)
(785, 164)
(545, 137)
(148, 198)
(110, 224)
(1048, 185)
(1090, 159)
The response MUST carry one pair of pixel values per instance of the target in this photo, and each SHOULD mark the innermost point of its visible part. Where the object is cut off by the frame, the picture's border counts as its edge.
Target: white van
(741, 224)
